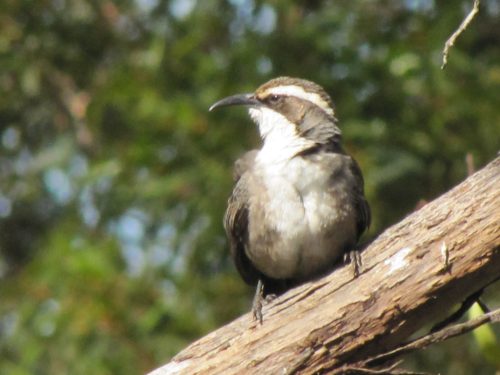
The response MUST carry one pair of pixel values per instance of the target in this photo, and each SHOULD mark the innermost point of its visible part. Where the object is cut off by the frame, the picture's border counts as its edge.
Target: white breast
(302, 210)
(297, 188)
(299, 207)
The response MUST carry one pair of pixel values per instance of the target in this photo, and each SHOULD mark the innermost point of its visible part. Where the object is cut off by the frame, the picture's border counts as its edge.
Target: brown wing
(236, 221)
(346, 165)
(363, 213)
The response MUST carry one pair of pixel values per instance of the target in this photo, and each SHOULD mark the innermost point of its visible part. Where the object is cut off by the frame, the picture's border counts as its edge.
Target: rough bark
(412, 275)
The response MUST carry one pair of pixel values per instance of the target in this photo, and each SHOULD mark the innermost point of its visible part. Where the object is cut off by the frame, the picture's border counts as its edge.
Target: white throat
(281, 142)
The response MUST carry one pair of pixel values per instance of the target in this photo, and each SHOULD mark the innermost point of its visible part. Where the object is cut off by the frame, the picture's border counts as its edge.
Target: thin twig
(362, 371)
(451, 40)
(432, 338)
(369, 366)
(469, 162)
(483, 306)
(390, 370)
(466, 305)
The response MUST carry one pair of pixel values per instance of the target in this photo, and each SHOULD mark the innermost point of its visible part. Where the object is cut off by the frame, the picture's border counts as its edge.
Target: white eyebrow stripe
(293, 90)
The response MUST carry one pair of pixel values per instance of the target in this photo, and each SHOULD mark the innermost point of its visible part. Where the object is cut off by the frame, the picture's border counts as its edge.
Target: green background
(114, 176)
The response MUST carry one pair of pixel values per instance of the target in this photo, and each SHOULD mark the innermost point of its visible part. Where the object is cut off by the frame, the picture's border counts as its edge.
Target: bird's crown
(282, 87)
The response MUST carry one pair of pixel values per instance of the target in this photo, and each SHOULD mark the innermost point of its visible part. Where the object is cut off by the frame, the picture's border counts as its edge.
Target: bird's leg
(257, 301)
(354, 257)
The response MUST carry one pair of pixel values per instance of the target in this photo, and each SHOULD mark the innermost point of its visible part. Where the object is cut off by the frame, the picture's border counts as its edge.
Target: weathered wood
(412, 274)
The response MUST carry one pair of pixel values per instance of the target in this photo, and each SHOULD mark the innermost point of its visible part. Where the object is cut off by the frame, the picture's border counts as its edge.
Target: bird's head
(290, 112)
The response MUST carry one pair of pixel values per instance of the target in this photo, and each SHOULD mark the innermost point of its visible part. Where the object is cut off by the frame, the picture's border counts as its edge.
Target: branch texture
(412, 274)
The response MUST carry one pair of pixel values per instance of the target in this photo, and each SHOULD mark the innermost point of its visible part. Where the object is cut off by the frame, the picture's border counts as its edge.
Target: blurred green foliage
(114, 177)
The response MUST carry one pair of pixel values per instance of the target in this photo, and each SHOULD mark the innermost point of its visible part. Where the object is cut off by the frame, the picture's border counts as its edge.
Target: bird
(298, 205)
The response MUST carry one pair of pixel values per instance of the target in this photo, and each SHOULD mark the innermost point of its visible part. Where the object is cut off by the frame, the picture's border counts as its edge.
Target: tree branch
(433, 338)
(412, 275)
(465, 23)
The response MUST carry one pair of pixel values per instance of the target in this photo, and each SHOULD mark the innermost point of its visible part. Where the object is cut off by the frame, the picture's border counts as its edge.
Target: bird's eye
(273, 98)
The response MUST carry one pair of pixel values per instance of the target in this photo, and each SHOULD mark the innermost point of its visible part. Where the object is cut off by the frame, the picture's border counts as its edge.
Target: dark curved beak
(239, 99)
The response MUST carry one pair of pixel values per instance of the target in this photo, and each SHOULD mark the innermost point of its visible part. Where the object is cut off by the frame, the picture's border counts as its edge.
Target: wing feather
(236, 221)
(363, 213)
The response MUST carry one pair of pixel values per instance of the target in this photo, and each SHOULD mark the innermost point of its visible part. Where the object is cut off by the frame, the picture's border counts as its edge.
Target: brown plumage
(298, 204)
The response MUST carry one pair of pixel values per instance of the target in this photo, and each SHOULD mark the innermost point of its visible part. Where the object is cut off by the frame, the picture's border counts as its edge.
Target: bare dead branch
(390, 370)
(466, 305)
(465, 23)
(433, 338)
(340, 322)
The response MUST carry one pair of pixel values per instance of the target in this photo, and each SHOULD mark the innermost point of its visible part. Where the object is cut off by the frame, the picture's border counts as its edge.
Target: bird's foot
(257, 302)
(354, 257)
